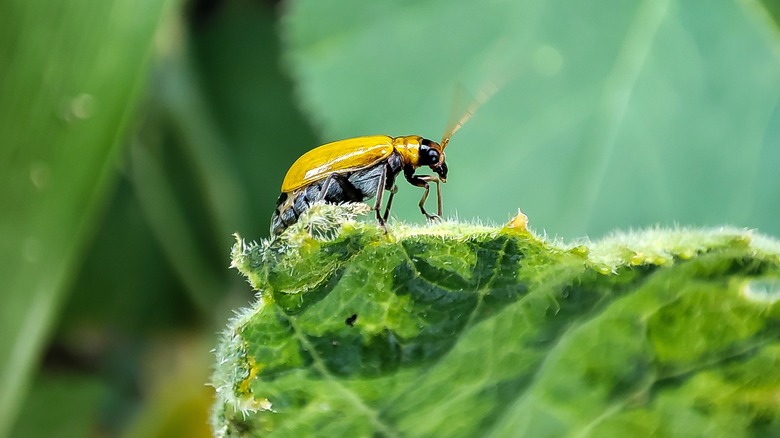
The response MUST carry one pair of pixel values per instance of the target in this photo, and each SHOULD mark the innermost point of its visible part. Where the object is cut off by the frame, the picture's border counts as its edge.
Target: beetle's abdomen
(290, 206)
(344, 187)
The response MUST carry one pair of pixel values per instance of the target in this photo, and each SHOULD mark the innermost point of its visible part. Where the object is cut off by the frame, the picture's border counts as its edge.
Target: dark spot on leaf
(351, 320)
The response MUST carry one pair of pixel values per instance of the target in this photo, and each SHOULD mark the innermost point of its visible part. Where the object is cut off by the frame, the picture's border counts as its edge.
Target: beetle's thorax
(408, 147)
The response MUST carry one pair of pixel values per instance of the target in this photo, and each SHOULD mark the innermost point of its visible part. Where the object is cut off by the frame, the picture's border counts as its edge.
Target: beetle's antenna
(472, 106)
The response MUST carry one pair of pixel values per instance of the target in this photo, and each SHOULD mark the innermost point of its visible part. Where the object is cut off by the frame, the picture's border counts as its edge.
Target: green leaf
(69, 401)
(612, 113)
(465, 330)
(71, 72)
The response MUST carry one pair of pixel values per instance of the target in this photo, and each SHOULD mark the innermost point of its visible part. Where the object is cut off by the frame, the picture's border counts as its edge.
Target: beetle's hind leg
(325, 187)
(345, 190)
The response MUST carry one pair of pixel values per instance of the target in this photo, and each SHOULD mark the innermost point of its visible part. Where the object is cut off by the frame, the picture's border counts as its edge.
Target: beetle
(356, 170)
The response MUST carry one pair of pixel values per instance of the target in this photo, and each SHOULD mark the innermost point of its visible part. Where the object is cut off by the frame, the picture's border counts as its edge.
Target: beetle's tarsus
(383, 224)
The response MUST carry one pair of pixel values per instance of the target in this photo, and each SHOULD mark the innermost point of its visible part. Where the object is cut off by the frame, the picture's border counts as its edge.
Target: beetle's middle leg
(378, 204)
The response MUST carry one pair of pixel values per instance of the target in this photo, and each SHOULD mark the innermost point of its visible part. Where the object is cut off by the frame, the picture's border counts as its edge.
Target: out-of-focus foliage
(69, 77)
(773, 9)
(135, 137)
(149, 267)
(612, 113)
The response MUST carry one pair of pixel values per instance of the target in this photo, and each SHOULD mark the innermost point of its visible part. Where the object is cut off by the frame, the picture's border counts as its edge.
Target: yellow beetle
(358, 169)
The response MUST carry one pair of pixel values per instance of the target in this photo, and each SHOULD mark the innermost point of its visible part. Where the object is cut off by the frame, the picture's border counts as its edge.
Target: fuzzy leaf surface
(461, 330)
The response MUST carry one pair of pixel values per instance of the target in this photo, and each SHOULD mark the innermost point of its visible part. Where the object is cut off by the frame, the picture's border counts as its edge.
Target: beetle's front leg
(427, 179)
(422, 181)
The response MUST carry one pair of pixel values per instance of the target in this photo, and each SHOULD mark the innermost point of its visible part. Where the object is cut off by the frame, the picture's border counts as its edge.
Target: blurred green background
(137, 135)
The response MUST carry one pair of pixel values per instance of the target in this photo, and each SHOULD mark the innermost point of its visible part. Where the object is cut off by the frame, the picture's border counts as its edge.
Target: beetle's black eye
(433, 156)
(429, 153)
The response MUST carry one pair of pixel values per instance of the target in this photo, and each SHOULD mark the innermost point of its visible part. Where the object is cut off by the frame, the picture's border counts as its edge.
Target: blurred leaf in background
(616, 113)
(118, 201)
(145, 286)
(71, 73)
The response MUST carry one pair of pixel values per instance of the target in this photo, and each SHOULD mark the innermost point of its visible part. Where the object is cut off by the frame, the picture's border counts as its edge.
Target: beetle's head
(431, 155)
